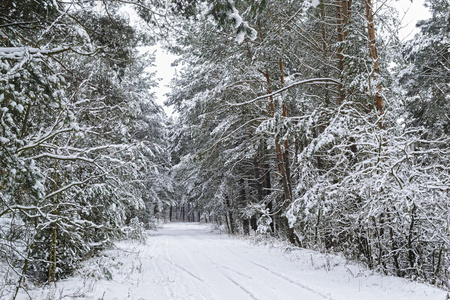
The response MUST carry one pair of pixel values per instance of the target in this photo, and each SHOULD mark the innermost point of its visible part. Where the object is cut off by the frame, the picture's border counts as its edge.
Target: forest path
(183, 261)
(188, 261)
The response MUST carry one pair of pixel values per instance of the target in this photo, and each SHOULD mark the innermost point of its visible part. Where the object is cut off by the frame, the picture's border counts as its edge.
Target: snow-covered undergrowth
(119, 264)
(353, 273)
(192, 261)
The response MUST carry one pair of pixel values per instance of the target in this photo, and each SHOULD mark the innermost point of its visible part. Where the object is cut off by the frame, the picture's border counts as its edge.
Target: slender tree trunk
(282, 157)
(246, 226)
(343, 14)
(254, 223)
(324, 28)
(285, 159)
(267, 190)
(188, 213)
(340, 55)
(54, 232)
(243, 199)
(25, 266)
(259, 184)
(325, 54)
(229, 215)
(284, 169)
(379, 102)
(411, 253)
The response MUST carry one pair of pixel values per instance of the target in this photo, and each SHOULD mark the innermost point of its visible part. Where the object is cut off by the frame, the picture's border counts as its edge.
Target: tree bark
(379, 102)
(340, 55)
(229, 215)
(267, 190)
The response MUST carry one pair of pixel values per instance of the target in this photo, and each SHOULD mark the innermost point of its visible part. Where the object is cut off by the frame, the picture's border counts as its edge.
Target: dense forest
(307, 120)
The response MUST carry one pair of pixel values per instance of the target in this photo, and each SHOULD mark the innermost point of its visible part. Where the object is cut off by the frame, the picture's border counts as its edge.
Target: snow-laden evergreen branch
(294, 84)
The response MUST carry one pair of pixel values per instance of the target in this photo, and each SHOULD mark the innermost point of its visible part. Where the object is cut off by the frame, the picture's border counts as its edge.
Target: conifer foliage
(310, 126)
(83, 146)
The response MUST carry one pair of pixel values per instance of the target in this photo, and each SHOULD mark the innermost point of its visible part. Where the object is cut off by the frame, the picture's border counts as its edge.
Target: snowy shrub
(264, 224)
(385, 203)
(137, 230)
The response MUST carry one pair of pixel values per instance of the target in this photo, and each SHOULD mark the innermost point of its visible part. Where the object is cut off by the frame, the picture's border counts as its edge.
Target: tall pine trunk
(379, 102)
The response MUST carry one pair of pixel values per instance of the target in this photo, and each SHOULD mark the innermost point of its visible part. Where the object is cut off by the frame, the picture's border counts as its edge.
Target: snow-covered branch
(307, 81)
(18, 53)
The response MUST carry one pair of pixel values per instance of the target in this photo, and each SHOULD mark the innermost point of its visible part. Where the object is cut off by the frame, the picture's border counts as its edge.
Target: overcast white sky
(409, 11)
(165, 72)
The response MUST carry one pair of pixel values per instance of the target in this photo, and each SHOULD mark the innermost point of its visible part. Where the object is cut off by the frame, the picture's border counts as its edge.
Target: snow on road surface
(188, 261)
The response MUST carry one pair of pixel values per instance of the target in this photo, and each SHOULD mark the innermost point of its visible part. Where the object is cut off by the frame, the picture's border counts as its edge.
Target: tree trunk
(343, 13)
(340, 55)
(229, 215)
(259, 184)
(246, 226)
(282, 157)
(254, 223)
(379, 102)
(267, 190)
(243, 200)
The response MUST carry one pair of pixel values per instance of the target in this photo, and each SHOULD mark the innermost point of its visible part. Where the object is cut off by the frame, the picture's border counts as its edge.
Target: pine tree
(81, 138)
(427, 75)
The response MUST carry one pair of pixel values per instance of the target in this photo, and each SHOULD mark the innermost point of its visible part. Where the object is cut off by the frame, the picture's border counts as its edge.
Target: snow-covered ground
(188, 261)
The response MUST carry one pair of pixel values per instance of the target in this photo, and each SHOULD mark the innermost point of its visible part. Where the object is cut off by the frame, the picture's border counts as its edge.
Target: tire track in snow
(240, 286)
(183, 269)
(293, 282)
(205, 255)
(217, 265)
(211, 275)
(162, 279)
(328, 297)
(195, 284)
(220, 268)
(237, 272)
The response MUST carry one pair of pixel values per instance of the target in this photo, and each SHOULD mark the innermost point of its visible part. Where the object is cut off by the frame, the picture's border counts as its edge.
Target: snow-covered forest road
(189, 261)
